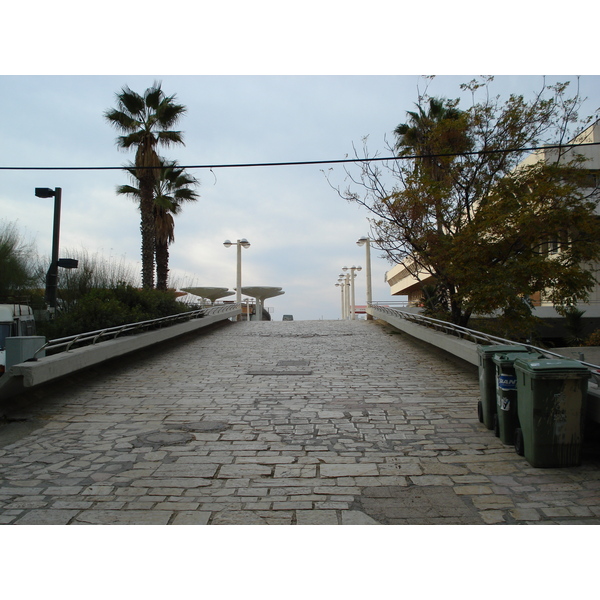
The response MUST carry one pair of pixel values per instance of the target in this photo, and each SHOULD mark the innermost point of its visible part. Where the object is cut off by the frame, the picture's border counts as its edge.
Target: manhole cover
(292, 363)
(166, 438)
(205, 426)
(261, 372)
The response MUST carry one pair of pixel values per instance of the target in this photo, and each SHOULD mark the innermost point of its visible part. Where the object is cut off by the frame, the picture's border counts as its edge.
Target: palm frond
(166, 138)
(168, 113)
(153, 96)
(128, 190)
(131, 101)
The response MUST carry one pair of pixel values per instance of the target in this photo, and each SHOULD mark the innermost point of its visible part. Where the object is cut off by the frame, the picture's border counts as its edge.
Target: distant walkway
(303, 422)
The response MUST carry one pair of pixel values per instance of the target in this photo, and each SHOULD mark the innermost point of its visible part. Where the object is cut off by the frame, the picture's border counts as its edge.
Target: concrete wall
(23, 376)
(461, 348)
(468, 351)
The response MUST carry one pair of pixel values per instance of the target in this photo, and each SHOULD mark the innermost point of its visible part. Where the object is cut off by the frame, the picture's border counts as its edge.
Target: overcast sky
(301, 232)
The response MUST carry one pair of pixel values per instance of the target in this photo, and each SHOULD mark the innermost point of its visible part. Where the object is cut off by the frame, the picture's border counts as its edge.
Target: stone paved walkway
(307, 422)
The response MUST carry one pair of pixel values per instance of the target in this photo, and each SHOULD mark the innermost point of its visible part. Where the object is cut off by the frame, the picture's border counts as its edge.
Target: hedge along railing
(92, 337)
(464, 333)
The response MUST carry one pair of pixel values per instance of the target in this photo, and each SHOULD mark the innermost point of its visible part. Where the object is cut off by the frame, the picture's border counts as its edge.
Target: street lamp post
(52, 274)
(238, 289)
(340, 284)
(351, 277)
(365, 241)
(346, 284)
(65, 263)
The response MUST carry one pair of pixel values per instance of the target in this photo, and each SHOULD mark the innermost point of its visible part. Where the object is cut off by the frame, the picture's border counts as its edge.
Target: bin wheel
(519, 442)
(480, 411)
(496, 426)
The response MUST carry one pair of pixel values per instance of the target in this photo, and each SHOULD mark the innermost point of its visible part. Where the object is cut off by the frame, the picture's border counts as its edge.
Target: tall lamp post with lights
(66, 263)
(351, 276)
(341, 284)
(346, 290)
(238, 286)
(365, 241)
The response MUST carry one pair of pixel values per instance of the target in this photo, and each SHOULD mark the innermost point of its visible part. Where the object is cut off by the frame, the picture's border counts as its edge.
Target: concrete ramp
(26, 375)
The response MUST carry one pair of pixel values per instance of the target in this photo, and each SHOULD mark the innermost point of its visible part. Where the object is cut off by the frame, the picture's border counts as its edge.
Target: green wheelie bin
(486, 407)
(506, 419)
(551, 409)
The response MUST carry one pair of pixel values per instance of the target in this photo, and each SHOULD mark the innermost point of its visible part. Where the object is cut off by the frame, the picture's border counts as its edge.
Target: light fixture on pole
(346, 284)
(340, 284)
(362, 242)
(238, 289)
(351, 277)
(66, 263)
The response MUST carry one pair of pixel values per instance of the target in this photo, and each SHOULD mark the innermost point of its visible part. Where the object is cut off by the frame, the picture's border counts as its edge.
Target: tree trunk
(162, 265)
(147, 230)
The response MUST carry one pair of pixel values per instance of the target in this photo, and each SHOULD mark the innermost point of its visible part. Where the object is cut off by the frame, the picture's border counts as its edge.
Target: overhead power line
(312, 162)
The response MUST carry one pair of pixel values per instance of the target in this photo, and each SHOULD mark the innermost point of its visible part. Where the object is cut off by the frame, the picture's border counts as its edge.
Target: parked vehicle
(15, 320)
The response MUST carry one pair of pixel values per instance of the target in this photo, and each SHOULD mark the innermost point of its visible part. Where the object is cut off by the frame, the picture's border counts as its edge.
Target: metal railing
(92, 337)
(465, 333)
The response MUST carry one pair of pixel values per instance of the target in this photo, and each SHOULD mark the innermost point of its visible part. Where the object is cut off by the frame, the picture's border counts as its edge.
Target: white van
(15, 320)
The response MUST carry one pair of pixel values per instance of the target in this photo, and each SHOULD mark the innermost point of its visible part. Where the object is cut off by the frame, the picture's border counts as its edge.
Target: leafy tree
(172, 187)
(19, 268)
(146, 122)
(457, 208)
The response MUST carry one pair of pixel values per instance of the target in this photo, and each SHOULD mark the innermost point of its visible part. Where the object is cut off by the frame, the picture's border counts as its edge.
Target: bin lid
(506, 359)
(497, 348)
(540, 367)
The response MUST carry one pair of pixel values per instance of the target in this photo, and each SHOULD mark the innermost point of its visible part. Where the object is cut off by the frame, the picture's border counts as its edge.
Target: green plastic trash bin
(486, 407)
(551, 409)
(506, 419)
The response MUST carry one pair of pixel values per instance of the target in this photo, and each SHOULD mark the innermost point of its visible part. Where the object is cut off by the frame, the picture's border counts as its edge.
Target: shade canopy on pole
(261, 293)
(211, 293)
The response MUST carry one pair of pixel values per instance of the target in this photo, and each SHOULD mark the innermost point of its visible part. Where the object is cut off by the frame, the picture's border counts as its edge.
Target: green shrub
(593, 339)
(104, 308)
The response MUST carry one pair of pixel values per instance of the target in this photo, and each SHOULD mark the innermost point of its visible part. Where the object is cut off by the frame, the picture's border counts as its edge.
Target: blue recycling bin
(506, 419)
(486, 407)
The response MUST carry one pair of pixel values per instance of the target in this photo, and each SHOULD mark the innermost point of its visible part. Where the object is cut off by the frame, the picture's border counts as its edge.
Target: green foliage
(574, 326)
(19, 265)
(516, 323)
(593, 339)
(98, 294)
(462, 212)
(103, 308)
(93, 272)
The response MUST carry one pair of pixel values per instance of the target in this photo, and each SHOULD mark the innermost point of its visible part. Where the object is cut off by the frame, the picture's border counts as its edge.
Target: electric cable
(314, 162)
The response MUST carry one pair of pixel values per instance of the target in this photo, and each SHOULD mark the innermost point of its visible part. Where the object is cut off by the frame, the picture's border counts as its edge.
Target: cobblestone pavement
(306, 422)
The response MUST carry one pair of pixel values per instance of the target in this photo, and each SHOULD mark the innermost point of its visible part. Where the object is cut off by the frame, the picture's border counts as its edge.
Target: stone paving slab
(277, 423)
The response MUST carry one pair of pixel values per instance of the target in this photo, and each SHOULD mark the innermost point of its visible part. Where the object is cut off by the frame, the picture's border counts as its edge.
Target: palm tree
(146, 122)
(442, 129)
(172, 188)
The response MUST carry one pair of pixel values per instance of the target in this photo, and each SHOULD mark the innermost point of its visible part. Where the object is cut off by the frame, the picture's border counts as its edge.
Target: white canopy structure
(210, 293)
(261, 293)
